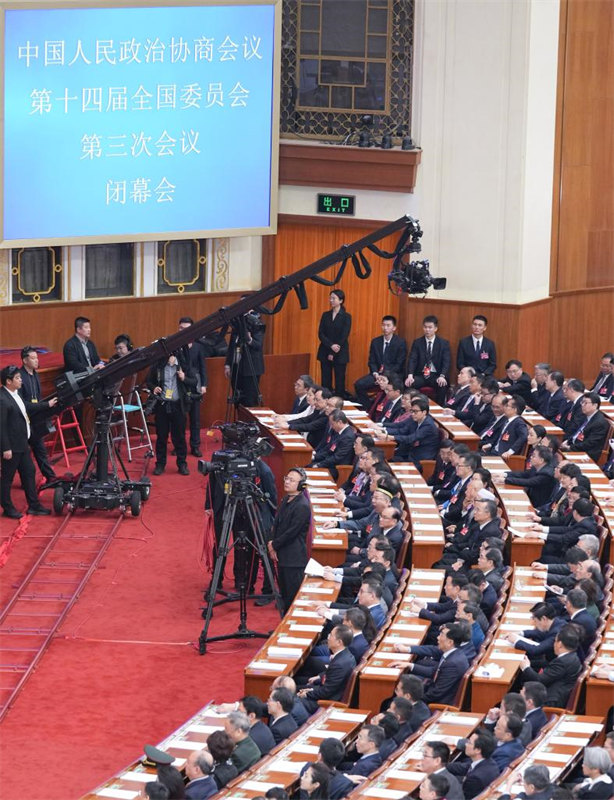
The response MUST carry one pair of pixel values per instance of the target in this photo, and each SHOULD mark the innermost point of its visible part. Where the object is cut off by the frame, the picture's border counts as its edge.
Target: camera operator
(170, 380)
(288, 546)
(245, 361)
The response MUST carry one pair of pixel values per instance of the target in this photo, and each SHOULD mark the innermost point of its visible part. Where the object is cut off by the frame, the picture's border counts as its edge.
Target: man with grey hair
(539, 393)
(537, 785)
(298, 709)
(246, 751)
(198, 768)
(590, 544)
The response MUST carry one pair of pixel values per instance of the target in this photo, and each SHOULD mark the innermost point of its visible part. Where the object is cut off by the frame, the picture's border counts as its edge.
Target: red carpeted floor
(123, 670)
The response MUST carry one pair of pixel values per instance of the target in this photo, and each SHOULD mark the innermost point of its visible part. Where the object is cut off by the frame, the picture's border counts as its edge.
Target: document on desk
(579, 727)
(457, 719)
(308, 749)
(405, 774)
(293, 640)
(186, 744)
(570, 740)
(318, 540)
(120, 794)
(293, 767)
(321, 733)
(283, 652)
(388, 794)
(268, 665)
(542, 755)
(380, 671)
(307, 628)
(258, 786)
(206, 728)
(139, 777)
(347, 716)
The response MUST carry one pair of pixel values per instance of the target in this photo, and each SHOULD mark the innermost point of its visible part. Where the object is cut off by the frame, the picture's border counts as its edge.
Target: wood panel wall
(583, 232)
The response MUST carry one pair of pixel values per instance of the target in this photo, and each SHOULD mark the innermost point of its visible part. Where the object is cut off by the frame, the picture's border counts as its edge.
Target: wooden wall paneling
(297, 245)
(144, 319)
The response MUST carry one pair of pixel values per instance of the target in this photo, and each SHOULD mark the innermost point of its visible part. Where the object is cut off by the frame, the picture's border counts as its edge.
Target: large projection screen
(135, 121)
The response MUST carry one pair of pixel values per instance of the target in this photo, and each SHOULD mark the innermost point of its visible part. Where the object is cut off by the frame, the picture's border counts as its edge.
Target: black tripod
(240, 493)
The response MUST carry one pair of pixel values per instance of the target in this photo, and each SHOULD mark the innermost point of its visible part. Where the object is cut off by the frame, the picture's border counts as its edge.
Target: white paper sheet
(307, 628)
(320, 733)
(268, 665)
(293, 640)
(309, 749)
(285, 652)
(405, 774)
(380, 671)
(389, 794)
(293, 767)
(570, 740)
(320, 541)
(139, 777)
(347, 716)
(205, 728)
(185, 744)
(120, 794)
(579, 727)
(259, 786)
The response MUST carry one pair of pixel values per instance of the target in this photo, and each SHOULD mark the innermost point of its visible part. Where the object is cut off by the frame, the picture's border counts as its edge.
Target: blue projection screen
(130, 122)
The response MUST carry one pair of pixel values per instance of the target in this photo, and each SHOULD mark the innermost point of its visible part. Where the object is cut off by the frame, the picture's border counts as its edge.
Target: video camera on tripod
(240, 461)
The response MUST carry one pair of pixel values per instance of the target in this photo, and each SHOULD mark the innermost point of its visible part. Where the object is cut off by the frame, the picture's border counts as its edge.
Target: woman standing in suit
(334, 350)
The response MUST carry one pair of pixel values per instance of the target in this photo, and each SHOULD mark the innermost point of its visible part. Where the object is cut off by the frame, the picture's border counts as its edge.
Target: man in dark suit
(539, 393)
(429, 361)
(591, 435)
(367, 745)
(490, 435)
(570, 417)
(288, 545)
(245, 361)
(575, 605)
(516, 381)
(547, 625)
(560, 675)
(534, 694)
(513, 436)
(461, 395)
(483, 416)
(279, 705)
(260, 733)
(331, 684)
(80, 352)
(341, 447)
(14, 434)
(198, 769)
(451, 668)
(315, 424)
(560, 537)
(604, 382)
(170, 380)
(554, 401)
(301, 386)
(387, 353)
(393, 406)
(477, 768)
(539, 480)
(476, 350)
(418, 439)
(509, 746)
(31, 392)
(196, 359)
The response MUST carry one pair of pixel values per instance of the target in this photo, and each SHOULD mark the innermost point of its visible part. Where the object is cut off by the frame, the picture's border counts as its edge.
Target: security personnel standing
(30, 392)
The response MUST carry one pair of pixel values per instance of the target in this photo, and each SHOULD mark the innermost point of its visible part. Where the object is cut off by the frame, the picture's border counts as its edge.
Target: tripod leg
(261, 548)
(229, 513)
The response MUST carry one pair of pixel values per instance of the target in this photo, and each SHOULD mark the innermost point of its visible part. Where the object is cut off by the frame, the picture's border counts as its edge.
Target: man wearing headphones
(288, 545)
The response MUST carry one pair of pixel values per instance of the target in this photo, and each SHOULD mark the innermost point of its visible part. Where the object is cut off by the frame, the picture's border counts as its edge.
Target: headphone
(303, 481)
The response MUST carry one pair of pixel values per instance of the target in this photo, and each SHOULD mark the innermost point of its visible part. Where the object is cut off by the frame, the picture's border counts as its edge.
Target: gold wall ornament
(200, 262)
(37, 293)
(222, 264)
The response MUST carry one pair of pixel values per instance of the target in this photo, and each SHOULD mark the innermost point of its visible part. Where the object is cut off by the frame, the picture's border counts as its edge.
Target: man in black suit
(244, 360)
(331, 684)
(199, 769)
(461, 396)
(559, 538)
(170, 380)
(442, 688)
(476, 350)
(80, 352)
(575, 605)
(513, 436)
(570, 417)
(196, 359)
(386, 353)
(367, 745)
(31, 392)
(288, 545)
(313, 425)
(14, 435)
(483, 416)
(516, 381)
(302, 385)
(552, 405)
(560, 675)
(341, 448)
(409, 688)
(592, 433)
(539, 480)
(539, 393)
(282, 722)
(534, 694)
(418, 438)
(477, 769)
(604, 382)
(540, 647)
(429, 361)
(255, 710)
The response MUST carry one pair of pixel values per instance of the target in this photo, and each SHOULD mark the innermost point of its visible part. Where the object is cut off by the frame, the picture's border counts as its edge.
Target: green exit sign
(342, 204)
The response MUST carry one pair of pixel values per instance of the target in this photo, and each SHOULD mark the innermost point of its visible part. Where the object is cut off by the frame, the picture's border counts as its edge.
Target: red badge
(580, 437)
(483, 356)
(505, 437)
(426, 371)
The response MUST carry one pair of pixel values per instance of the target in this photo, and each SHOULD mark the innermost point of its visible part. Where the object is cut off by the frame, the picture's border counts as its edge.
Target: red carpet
(123, 670)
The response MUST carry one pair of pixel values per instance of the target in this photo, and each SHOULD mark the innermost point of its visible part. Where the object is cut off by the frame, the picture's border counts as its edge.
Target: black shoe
(196, 451)
(38, 511)
(183, 469)
(12, 513)
(158, 469)
(264, 601)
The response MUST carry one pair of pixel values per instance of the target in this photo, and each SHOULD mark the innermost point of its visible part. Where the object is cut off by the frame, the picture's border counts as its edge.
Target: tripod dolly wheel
(135, 503)
(58, 499)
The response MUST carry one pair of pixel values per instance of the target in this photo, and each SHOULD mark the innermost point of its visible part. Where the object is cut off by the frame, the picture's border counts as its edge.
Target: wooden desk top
(282, 767)
(558, 749)
(425, 519)
(190, 736)
(602, 490)
(454, 428)
(402, 775)
(533, 418)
